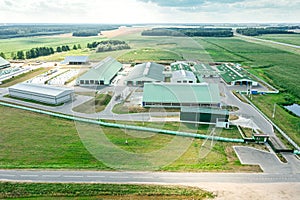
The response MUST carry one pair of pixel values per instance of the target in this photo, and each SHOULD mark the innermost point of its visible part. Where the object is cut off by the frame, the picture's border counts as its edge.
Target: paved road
(245, 110)
(268, 41)
(144, 177)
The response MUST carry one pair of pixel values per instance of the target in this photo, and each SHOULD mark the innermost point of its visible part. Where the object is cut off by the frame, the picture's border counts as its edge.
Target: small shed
(76, 60)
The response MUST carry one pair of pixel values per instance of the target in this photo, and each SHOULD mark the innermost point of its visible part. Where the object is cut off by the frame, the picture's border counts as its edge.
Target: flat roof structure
(101, 74)
(205, 110)
(4, 63)
(76, 60)
(41, 93)
(180, 65)
(235, 75)
(203, 115)
(183, 76)
(145, 73)
(178, 95)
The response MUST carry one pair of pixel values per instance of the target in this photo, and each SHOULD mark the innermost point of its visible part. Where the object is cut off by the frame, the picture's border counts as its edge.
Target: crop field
(284, 38)
(28, 143)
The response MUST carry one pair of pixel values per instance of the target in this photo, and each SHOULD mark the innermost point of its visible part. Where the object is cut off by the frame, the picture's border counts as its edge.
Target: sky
(149, 11)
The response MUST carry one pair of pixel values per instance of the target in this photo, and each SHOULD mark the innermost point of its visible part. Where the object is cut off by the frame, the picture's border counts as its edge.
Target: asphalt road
(144, 177)
(268, 41)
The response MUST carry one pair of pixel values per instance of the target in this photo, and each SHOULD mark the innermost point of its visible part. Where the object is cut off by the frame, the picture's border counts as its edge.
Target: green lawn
(40, 141)
(98, 191)
(284, 38)
(95, 105)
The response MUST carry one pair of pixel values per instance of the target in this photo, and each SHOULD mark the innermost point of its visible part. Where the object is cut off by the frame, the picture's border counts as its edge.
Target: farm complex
(132, 99)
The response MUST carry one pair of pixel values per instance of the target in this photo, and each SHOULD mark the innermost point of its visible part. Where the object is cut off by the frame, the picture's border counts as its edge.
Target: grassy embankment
(98, 191)
(29, 143)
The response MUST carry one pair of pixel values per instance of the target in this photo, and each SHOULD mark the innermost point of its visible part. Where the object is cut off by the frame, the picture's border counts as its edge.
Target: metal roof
(3, 61)
(147, 71)
(181, 93)
(233, 73)
(204, 110)
(104, 70)
(40, 89)
(81, 59)
(183, 74)
(180, 65)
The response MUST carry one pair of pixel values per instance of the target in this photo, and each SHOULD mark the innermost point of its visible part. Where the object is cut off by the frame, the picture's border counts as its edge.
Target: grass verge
(95, 105)
(99, 191)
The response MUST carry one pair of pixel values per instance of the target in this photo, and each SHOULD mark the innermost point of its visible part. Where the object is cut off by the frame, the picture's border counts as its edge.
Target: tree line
(108, 45)
(41, 51)
(26, 30)
(189, 32)
(267, 30)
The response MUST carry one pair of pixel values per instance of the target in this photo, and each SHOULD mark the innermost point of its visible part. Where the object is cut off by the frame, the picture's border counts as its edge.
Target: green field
(276, 65)
(284, 38)
(8, 46)
(98, 191)
(39, 141)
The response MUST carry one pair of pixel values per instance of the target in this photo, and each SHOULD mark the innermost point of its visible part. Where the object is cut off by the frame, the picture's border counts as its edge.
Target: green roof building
(100, 74)
(145, 73)
(235, 75)
(4, 63)
(178, 95)
(180, 65)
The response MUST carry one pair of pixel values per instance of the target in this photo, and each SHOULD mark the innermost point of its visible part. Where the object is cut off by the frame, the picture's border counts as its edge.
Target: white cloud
(145, 11)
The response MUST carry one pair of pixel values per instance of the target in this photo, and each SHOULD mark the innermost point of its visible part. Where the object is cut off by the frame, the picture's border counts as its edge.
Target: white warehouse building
(41, 93)
(183, 76)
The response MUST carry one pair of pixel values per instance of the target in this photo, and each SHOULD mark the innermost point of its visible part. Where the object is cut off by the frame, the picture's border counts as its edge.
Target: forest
(189, 32)
(267, 30)
(28, 30)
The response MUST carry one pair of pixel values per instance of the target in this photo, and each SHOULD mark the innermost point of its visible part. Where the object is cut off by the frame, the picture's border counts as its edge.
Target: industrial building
(205, 115)
(145, 73)
(178, 95)
(41, 93)
(183, 76)
(235, 75)
(180, 65)
(4, 63)
(100, 74)
(76, 60)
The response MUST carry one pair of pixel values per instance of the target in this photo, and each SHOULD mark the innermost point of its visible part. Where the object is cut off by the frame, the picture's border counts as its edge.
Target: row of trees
(268, 30)
(86, 33)
(189, 32)
(41, 51)
(108, 45)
